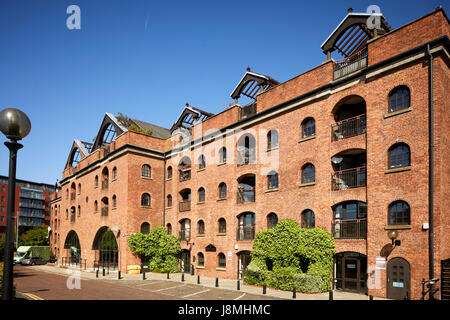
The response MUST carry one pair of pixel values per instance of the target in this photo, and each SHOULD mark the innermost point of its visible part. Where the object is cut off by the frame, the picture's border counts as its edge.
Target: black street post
(15, 125)
(7, 289)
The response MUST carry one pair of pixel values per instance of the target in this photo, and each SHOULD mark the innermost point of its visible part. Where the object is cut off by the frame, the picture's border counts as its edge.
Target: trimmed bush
(288, 256)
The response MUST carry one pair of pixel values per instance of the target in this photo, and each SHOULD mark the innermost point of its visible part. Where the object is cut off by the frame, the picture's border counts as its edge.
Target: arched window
(169, 228)
(272, 180)
(146, 171)
(399, 99)
(222, 155)
(145, 200)
(399, 156)
(114, 173)
(114, 201)
(169, 172)
(222, 226)
(145, 228)
(399, 213)
(222, 263)
(272, 139)
(79, 188)
(272, 220)
(200, 259)
(222, 190)
(308, 220)
(201, 162)
(96, 182)
(246, 149)
(169, 201)
(184, 169)
(95, 206)
(201, 194)
(201, 227)
(308, 127)
(79, 211)
(308, 173)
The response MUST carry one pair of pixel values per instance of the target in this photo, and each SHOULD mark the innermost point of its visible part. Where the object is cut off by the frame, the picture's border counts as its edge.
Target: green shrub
(288, 256)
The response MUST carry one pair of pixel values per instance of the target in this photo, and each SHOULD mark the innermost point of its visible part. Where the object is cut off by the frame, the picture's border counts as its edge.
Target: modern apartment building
(357, 146)
(32, 203)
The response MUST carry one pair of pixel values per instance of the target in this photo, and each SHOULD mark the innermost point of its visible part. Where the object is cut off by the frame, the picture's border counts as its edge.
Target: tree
(34, 237)
(158, 247)
(2, 245)
(288, 256)
(128, 123)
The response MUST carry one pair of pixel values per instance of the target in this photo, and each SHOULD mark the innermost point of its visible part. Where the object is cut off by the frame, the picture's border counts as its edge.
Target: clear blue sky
(148, 58)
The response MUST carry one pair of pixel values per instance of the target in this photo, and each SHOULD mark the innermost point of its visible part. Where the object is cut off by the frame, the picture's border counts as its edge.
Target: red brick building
(357, 146)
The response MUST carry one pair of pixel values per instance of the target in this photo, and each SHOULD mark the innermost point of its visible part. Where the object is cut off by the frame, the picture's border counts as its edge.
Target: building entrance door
(351, 272)
(243, 262)
(185, 260)
(398, 279)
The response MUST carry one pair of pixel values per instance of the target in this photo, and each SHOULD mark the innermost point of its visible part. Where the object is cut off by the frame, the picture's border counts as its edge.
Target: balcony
(31, 205)
(104, 211)
(72, 196)
(72, 218)
(348, 128)
(185, 175)
(246, 195)
(245, 156)
(184, 205)
(247, 111)
(343, 67)
(185, 235)
(349, 178)
(104, 184)
(350, 229)
(246, 233)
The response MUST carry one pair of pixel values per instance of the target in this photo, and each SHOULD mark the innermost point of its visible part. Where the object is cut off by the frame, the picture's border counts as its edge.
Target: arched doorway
(185, 260)
(350, 272)
(72, 248)
(244, 259)
(398, 279)
(106, 249)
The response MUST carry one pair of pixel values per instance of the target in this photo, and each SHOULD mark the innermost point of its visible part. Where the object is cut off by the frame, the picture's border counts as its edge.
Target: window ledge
(168, 179)
(307, 138)
(169, 207)
(221, 199)
(202, 169)
(395, 113)
(400, 169)
(201, 202)
(115, 208)
(398, 227)
(221, 234)
(221, 163)
(307, 184)
(201, 235)
(147, 178)
(199, 267)
(221, 269)
(146, 207)
(272, 149)
(113, 180)
(271, 190)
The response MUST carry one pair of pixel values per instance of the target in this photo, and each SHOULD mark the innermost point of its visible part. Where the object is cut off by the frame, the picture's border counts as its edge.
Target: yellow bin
(134, 269)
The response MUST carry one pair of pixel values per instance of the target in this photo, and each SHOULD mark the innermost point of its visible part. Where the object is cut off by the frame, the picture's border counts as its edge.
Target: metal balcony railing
(245, 156)
(349, 178)
(350, 229)
(72, 218)
(245, 233)
(185, 175)
(104, 211)
(246, 195)
(350, 64)
(72, 196)
(247, 111)
(104, 184)
(31, 205)
(185, 235)
(348, 128)
(184, 205)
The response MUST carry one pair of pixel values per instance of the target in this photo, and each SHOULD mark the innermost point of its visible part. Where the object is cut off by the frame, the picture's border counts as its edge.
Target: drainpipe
(431, 169)
(164, 193)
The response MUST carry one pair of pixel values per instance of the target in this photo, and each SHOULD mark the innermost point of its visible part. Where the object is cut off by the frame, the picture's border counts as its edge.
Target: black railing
(246, 195)
(245, 233)
(349, 65)
(185, 175)
(350, 229)
(105, 184)
(104, 211)
(245, 156)
(349, 178)
(105, 264)
(348, 128)
(74, 261)
(184, 205)
(72, 218)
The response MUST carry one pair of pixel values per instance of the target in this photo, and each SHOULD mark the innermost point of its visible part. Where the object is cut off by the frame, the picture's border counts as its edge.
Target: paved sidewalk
(206, 282)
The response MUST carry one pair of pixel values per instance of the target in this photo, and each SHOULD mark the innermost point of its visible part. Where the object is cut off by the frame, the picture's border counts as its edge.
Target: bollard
(103, 271)
(118, 275)
(168, 277)
(264, 289)
(108, 268)
(217, 282)
(238, 285)
(143, 275)
(370, 297)
(198, 279)
(294, 293)
(182, 276)
(96, 274)
(330, 295)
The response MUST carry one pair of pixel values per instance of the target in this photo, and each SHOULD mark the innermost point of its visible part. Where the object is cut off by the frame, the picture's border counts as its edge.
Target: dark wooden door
(398, 279)
(445, 279)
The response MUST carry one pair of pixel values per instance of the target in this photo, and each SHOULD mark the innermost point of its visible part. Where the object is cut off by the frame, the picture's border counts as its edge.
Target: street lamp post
(15, 125)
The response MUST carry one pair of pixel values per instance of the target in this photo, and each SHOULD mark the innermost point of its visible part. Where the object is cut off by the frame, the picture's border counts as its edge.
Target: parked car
(33, 261)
